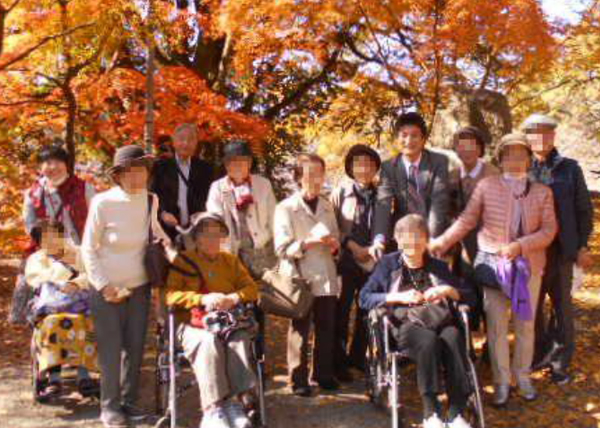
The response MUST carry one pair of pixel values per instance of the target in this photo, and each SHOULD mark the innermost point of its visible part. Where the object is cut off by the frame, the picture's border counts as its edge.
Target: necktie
(416, 204)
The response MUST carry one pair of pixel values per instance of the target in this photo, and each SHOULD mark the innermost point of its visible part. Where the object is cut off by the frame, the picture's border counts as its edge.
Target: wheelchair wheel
(475, 414)
(163, 422)
(375, 376)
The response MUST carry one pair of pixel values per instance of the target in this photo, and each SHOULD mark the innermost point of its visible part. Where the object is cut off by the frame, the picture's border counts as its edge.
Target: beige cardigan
(259, 216)
(293, 223)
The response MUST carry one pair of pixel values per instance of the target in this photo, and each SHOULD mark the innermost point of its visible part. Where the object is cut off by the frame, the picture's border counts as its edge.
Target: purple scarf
(513, 277)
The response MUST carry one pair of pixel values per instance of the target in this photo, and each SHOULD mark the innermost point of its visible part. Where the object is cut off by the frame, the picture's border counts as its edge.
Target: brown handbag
(286, 296)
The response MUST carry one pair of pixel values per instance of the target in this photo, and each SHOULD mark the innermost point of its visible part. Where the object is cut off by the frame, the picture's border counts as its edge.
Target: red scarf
(72, 195)
(242, 193)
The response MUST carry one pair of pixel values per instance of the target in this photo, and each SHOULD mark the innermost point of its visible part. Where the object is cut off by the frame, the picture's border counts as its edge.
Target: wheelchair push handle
(464, 309)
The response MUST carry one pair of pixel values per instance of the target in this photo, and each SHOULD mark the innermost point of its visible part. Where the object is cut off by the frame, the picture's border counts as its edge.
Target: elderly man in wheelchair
(207, 289)
(415, 295)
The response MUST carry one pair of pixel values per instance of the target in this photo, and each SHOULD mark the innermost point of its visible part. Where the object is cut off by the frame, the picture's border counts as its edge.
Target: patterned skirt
(65, 339)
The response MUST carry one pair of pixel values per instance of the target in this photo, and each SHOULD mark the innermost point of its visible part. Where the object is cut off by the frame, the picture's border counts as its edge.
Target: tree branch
(4, 11)
(304, 87)
(42, 42)
(400, 90)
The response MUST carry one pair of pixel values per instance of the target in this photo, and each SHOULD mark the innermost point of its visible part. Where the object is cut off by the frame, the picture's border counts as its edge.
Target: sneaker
(134, 413)
(459, 422)
(527, 390)
(433, 421)
(215, 418)
(236, 415)
(560, 377)
(501, 395)
(114, 419)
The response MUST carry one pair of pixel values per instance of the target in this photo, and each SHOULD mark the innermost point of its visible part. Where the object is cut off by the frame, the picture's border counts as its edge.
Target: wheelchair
(171, 364)
(384, 362)
(38, 374)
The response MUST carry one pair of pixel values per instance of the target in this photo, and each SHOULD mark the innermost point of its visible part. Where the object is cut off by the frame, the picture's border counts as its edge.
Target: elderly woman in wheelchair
(416, 292)
(204, 286)
(59, 313)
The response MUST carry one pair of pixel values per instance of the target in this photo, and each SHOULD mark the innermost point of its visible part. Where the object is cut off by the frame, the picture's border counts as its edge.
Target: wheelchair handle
(464, 309)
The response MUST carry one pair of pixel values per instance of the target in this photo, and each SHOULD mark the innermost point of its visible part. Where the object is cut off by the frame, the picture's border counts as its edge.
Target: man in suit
(182, 182)
(414, 182)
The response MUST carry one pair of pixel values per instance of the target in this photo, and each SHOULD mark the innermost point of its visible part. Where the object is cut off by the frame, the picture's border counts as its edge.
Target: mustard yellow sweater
(226, 274)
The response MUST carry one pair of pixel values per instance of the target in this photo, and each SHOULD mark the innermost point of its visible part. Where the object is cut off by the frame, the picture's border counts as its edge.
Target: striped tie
(416, 203)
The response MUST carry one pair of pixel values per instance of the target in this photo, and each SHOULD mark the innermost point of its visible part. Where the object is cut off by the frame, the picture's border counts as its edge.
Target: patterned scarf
(405, 278)
(542, 172)
(242, 194)
(365, 210)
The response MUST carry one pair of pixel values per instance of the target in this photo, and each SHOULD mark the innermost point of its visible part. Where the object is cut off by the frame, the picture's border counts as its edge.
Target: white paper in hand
(319, 231)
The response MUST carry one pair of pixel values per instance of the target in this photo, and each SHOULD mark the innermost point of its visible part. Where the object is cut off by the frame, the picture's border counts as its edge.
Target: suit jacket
(393, 190)
(165, 183)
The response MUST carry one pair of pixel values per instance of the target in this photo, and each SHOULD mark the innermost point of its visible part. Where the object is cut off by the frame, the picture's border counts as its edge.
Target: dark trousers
(322, 316)
(121, 334)
(431, 351)
(352, 282)
(559, 330)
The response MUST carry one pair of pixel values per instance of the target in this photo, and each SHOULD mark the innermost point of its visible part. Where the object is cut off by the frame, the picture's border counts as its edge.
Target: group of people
(377, 241)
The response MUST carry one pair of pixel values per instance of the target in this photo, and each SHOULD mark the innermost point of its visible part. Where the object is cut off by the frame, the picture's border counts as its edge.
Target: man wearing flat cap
(555, 339)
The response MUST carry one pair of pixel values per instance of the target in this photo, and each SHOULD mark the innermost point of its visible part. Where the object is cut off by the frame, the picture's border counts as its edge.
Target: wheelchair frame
(168, 367)
(383, 370)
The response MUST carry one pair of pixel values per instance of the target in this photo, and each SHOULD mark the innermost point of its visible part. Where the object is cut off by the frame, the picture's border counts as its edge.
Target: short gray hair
(186, 127)
(410, 222)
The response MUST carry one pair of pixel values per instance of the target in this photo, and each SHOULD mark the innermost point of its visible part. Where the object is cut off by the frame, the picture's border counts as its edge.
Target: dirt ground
(576, 405)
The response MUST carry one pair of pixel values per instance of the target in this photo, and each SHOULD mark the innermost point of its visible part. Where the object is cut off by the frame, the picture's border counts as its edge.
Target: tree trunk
(149, 125)
(70, 126)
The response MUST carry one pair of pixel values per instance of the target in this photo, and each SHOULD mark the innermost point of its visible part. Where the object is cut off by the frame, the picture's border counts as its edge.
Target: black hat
(53, 153)
(236, 148)
(411, 118)
(360, 150)
(127, 156)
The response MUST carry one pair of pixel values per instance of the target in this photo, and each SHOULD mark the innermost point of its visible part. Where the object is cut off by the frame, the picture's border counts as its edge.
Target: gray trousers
(498, 314)
(222, 369)
(121, 334)
(559, 330)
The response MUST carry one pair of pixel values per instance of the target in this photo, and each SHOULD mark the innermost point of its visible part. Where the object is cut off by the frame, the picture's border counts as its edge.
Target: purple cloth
(513, 277)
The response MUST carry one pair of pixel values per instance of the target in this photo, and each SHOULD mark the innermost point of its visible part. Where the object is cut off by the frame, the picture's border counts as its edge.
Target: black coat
(165, 183)
(574, 209)
(374, 292)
